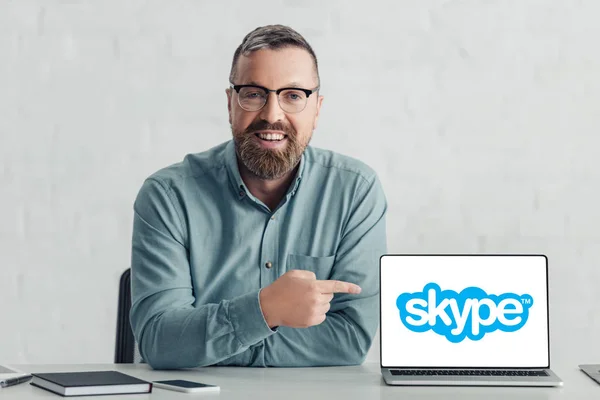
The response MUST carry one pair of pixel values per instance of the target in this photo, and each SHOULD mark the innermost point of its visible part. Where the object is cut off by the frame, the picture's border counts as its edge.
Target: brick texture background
(481, 118)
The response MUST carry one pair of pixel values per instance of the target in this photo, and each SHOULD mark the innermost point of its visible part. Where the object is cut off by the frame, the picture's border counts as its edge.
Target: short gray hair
(271, 37)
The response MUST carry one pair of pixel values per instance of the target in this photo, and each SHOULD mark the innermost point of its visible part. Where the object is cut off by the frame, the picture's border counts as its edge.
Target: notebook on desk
(90, 383)
(465, 320)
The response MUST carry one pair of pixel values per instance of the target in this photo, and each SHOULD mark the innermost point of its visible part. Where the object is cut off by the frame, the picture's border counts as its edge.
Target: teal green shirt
(203, 247)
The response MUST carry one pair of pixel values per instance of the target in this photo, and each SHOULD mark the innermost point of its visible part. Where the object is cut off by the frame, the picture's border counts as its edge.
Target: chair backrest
(126, 349)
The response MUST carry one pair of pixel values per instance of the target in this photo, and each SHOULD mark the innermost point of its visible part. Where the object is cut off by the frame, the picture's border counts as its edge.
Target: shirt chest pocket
(321, 266)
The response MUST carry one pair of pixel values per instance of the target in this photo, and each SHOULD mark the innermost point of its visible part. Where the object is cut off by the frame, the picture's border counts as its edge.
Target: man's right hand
(298, 300)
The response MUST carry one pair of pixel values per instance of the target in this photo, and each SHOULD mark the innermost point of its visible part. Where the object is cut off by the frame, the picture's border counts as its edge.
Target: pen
(14, 381)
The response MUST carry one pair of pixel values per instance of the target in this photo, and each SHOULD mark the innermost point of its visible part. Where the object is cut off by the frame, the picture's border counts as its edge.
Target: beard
(268, 164)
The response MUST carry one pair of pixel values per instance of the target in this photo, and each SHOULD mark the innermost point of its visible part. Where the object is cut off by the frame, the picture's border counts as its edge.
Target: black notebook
(90, 383)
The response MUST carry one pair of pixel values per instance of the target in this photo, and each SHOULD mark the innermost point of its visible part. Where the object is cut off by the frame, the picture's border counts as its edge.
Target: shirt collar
(238, 185)
(296, 182)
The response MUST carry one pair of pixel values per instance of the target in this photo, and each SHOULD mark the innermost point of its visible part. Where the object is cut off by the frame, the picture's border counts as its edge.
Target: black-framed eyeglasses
(291, 100)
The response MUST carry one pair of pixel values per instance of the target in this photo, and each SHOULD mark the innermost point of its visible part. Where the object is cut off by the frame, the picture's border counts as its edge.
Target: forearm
(194, 337)
(344, 338)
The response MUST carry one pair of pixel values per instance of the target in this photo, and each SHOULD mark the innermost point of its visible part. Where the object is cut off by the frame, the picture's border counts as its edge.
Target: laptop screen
(478, 311)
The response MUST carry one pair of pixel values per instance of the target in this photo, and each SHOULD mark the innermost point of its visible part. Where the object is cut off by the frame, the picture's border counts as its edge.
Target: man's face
(257, 133)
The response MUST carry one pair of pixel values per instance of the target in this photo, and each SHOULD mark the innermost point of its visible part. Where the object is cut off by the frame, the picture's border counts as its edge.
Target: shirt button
(268, 264)
(272, 218)
(241, 193)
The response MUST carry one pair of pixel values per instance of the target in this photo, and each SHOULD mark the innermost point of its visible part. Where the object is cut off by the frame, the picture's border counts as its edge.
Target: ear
(319, 103)
(228, 92)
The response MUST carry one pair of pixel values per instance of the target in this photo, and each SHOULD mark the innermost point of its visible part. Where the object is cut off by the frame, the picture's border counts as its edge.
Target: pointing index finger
(335, 286)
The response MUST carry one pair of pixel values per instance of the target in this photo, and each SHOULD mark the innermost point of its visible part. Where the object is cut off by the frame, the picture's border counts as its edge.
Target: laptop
(465, 320)
(8, 374)
(591, 370)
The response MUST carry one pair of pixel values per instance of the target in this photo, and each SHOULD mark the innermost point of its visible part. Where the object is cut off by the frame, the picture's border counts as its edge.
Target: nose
(272, 112)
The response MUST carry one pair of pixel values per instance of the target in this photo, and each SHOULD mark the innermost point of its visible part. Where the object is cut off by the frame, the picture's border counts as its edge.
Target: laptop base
(591, 370)
(550, 380)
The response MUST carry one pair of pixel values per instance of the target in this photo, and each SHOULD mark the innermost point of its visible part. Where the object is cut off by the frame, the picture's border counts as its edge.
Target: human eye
(294, 95)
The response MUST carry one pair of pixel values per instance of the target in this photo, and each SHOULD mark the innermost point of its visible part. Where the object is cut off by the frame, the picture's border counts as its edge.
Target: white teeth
(270, 136)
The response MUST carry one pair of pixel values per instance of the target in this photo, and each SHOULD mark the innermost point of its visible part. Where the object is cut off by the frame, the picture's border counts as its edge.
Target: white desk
(332, 383)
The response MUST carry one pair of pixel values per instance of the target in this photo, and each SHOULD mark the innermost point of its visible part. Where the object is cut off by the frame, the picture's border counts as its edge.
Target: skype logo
(469, 314)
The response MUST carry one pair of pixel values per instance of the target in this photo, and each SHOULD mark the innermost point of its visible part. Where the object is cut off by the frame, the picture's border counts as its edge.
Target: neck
(269, 191)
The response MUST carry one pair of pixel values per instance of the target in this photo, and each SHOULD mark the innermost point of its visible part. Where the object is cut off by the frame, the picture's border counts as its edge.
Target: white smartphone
(181, 385)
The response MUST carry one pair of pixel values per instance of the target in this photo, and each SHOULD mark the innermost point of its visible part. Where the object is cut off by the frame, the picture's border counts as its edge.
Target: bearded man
(262, 251)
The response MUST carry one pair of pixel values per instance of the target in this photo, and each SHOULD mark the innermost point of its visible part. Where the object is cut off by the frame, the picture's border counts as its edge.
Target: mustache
(266, 126)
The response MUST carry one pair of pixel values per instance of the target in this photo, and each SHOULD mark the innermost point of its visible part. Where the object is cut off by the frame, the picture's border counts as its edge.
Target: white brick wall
(480, 117)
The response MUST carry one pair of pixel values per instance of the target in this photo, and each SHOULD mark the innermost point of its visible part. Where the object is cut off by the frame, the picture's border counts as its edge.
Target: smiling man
(262, 251)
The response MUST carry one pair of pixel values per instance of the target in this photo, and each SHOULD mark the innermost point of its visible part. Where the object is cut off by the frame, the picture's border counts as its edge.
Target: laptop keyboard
(466, 372)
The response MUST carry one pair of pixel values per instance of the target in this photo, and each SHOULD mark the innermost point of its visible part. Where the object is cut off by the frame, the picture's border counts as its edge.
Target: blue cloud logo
(469, 314)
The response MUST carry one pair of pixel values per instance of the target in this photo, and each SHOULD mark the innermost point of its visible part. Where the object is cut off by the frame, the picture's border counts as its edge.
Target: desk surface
(345, 383)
